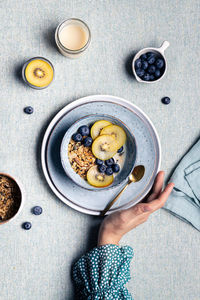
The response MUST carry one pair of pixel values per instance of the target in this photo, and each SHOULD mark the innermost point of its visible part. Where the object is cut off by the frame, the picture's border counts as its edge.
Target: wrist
(106, 238)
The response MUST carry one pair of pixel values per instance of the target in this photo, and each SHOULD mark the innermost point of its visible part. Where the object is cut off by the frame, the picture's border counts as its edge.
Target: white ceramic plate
(148, 149)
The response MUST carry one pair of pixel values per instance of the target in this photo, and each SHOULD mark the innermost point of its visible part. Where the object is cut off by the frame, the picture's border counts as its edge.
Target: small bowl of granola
(98, 152)
(10, 198)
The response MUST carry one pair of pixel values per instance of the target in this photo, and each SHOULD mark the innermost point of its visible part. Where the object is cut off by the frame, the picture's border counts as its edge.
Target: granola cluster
(80, 157)
(10, 197)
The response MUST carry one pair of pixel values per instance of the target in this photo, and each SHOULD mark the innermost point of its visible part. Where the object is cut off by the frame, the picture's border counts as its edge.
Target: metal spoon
(135, 176)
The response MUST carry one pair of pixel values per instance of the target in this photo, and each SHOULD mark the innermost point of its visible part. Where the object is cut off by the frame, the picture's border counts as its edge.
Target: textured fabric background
(36, 264)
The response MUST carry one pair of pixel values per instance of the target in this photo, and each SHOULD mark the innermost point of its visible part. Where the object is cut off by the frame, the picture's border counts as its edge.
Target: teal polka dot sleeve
(103, 272)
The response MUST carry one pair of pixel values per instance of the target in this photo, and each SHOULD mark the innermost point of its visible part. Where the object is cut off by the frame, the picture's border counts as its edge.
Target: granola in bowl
(10, 198)
(81, 158)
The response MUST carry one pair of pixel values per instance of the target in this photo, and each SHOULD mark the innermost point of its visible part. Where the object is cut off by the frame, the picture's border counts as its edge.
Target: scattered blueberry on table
(150, 66)
(37, 210)
(166, 100)
(27, 225)
(28, 110)
(87, 142)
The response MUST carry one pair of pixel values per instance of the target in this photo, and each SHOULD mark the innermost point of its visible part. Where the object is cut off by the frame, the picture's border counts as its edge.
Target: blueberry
(120, 150)
(166, 100)
(109, 162)
(146, 77)
(37, 210)
(116, 168)
(28, 110)
(157, 73)
(143, 57)
(87, 142)
(152, 77)
(27, 225)
(151, 69)
(99, 162)
(150, 54)
(144, 65)
(84, 130)
(139, 72)
(109, 171)
(151, 58)
(77, 137)
(159, 63)
(102, 168)
(138, 63)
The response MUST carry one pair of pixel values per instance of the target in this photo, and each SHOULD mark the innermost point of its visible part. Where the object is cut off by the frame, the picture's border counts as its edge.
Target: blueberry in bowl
(153, 65)
(87, 142)
(109, 162)
(84, 130)
(149, 64)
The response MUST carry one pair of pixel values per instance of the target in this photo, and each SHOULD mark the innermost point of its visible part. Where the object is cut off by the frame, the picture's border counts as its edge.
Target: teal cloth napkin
(184, 201)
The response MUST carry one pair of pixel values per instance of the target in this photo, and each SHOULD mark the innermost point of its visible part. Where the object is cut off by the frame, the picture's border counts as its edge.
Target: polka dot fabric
(103, 272)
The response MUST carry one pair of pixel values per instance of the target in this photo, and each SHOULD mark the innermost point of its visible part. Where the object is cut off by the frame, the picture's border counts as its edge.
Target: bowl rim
(93, 187)
(145, 50)
(20, 186)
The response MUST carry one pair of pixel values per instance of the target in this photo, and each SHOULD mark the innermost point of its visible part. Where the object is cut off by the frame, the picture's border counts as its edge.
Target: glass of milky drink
(72, 37)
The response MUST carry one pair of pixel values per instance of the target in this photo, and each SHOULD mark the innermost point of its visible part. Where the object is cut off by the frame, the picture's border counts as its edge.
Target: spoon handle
(114, 200)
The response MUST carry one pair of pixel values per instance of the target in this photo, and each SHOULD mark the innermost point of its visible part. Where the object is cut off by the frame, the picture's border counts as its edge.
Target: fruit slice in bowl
(104, 147)
(97, 127)
(117, 133)
(97, 179)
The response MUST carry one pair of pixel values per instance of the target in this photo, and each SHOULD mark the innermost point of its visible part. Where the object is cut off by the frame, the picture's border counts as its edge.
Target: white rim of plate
(64, 111)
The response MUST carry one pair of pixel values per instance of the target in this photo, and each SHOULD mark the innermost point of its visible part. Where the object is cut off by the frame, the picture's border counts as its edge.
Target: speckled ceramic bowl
(130, 150)
(20, 200)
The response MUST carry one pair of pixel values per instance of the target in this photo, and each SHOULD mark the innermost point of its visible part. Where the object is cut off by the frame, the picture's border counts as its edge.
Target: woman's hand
(119, 223)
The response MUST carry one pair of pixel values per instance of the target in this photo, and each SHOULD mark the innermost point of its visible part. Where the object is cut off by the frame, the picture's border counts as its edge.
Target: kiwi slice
(104, 147)
(116, 132)
(97, 127)
(39, 73)
(97, 179)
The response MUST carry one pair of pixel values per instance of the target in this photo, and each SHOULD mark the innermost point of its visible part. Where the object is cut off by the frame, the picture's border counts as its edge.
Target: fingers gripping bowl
(110, 167)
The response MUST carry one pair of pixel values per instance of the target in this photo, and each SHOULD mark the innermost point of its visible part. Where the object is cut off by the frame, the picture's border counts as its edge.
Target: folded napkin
(184, 201)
